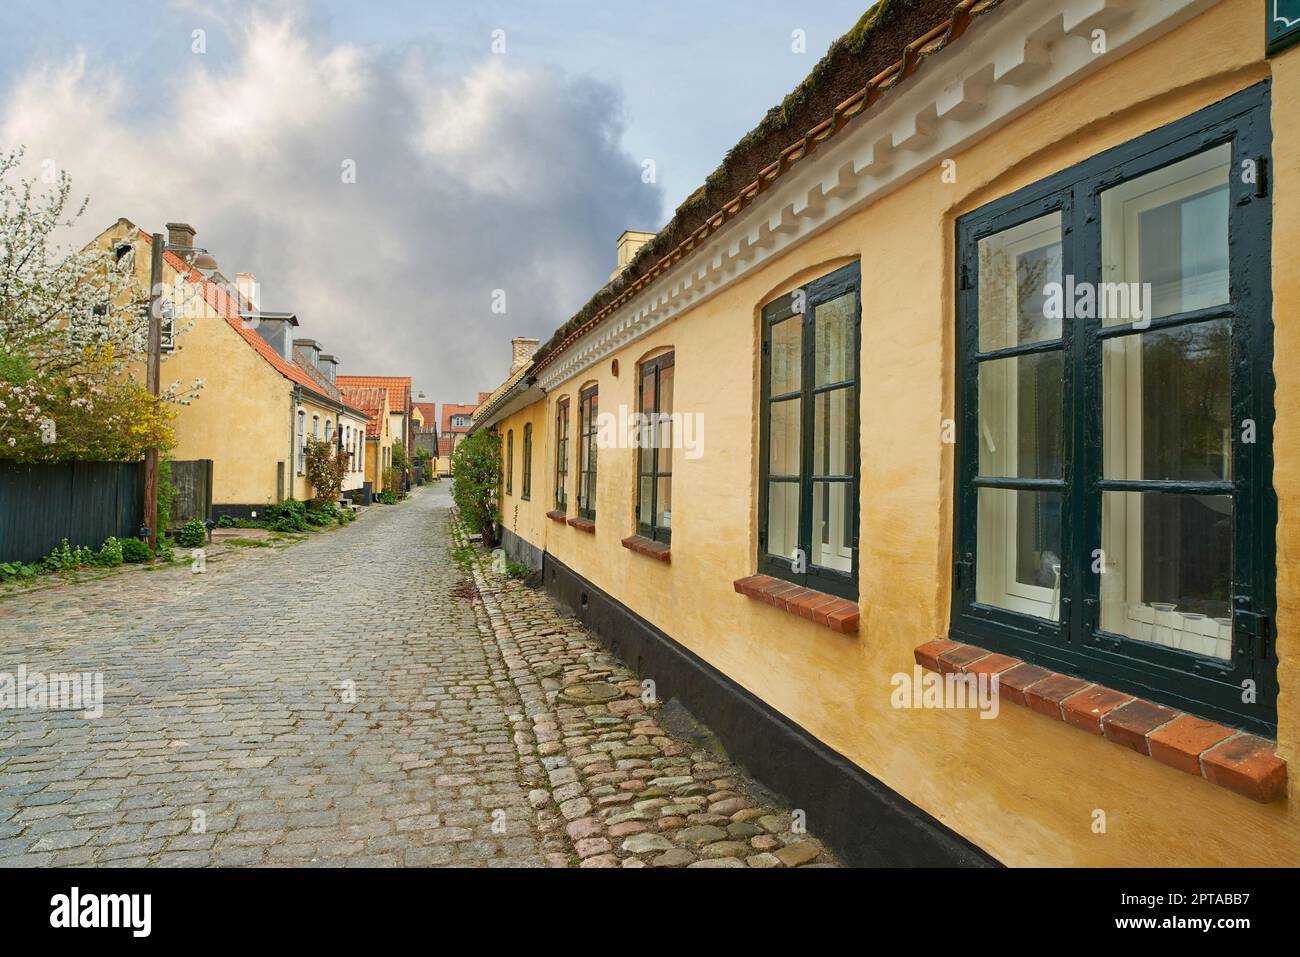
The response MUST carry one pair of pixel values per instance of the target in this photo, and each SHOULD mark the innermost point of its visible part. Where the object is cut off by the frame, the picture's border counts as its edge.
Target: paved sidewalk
(350, 700)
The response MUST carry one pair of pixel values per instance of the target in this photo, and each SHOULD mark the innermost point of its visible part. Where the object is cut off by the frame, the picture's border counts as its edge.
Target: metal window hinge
(1258, 627)
(1261, 177)
(965, 276)
(964, 573)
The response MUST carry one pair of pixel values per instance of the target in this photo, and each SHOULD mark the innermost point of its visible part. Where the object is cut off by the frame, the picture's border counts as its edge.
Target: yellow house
(258, 402)
(379, 438)
(935, 453)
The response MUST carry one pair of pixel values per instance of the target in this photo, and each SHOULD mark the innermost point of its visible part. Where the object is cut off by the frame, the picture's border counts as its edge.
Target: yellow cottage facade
(987, 373)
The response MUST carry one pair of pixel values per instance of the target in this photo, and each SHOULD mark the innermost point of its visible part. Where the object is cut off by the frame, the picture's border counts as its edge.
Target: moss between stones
(875, 42)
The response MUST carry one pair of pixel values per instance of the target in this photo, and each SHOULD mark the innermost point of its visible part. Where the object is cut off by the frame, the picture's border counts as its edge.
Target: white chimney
(250, 292)
(629, 244)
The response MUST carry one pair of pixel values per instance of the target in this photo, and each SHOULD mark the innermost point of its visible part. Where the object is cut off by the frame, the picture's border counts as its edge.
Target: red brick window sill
(649, 548)
(557, 516)
(1232, 759)
(583, 525)
(837, 614)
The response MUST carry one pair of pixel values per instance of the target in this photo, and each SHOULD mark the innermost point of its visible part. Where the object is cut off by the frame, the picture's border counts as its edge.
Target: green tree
(476, 483)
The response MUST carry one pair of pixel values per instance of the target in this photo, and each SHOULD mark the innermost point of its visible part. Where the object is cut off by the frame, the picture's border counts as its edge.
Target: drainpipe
(291, 472)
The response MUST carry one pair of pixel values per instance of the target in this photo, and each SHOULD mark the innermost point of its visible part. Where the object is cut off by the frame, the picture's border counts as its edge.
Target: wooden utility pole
(154, 376)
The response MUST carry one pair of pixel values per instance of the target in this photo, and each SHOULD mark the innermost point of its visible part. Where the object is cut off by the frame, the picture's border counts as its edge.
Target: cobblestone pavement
(356, 699)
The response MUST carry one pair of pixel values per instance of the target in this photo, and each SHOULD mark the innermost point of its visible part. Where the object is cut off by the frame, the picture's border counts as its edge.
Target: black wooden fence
(84, 502)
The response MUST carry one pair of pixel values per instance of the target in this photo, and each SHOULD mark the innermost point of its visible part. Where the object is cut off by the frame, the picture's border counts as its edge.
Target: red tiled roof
(397, 386)
(428, 409)
(445, 445)
(370, 400)
(449, 409)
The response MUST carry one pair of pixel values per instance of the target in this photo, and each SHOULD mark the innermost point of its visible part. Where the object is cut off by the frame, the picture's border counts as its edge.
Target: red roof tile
(397, 386)
(370, 400)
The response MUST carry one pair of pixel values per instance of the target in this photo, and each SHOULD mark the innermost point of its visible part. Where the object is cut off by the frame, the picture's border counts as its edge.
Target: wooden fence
(193, 481)
(84, 502)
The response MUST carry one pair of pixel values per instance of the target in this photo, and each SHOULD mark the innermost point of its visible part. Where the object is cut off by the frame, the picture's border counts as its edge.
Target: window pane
(665, 504)
(782, 518)
(1015, 266)
(1168, 404)
(783, 437)
(666, 440)
(833, 432)
(1169, 230)
(1019, 547)
(1168, 569)
(832, 542)
(834, 320)
(1020, 431)
(648, 392)
(786, 356)
(644, 504)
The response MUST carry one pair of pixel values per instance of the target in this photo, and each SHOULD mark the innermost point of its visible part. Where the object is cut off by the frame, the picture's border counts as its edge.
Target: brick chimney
(180, 234)
(628, 245)
(521, 353)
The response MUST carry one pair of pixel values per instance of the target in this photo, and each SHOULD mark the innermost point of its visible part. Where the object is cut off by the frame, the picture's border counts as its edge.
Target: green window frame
(809, 454)
(525, 493)
(562, 455)
(588, 409)
(510, 461)
(654, 468)
(1138, 550)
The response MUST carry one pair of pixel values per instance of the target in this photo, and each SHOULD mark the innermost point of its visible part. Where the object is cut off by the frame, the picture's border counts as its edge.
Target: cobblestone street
(355, 699)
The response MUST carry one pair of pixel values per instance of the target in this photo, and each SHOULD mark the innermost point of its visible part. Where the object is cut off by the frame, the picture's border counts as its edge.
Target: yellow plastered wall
(1024, 788)
(527, 517)
(241, 417)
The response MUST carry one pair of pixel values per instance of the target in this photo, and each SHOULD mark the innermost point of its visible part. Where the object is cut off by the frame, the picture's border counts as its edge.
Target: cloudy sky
(475, 169)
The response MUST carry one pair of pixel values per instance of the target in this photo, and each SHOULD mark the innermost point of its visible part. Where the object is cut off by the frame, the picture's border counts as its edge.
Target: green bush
(135, 551)
(110, 554)
(289, 516)
(388, 497)
(476, 483)
(192, 534)
(13, 571)
(64, 557)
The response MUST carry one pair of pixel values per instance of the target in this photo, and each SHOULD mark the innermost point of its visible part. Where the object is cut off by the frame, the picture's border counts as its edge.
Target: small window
(528, 462)
(587, 412)
(510, 461)
(561, 455)
(808, 506)
(655, 438)
(302, 442)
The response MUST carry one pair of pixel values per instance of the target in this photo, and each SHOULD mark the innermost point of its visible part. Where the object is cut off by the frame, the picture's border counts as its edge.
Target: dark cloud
(510, 176)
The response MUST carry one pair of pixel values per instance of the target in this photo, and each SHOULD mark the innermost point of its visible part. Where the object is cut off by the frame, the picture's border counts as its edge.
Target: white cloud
(508, 177)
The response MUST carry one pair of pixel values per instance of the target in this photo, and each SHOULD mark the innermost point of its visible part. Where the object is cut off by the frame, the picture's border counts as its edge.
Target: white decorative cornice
(1021, 54)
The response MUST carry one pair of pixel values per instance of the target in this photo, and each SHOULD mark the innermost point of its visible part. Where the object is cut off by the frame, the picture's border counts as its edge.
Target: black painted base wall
(866, 823)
